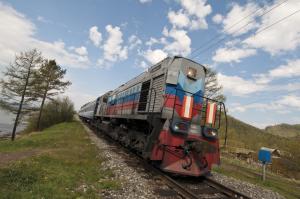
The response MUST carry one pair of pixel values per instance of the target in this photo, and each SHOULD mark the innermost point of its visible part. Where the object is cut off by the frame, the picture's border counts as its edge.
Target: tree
(49, 83)
(212, 88)
(17, 83)
(58, 110)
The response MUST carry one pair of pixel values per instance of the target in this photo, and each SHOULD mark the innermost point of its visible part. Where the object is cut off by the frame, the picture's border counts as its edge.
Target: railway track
(196, 188)
(192, 188)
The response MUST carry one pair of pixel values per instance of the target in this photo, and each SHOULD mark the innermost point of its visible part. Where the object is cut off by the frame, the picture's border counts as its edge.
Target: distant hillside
(284, 130)
(242, 135)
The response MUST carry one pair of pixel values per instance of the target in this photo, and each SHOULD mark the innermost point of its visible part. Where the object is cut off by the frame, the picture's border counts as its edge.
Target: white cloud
(181, 44)
(192, 15)
(95, 36)
(42, 19)
(81, 51)
(143, 64)
(284, 36)
(283, 105)
(291, 69)
(113, 49)
(152, 41)
(134, 41)
(290, 101)
(232, 54)
(217, 18)
(165, 31)
(179, 19)
(198, 10)
(233, 18)
(79, 98)
(21, 36)
(288, 70)
(288, 31)
(145, 1)
(238, 86)
(57, 50)
(155, 56)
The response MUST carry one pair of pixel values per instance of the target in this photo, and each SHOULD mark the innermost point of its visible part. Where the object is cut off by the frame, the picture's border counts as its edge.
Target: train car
(87, 111)
(163, 115)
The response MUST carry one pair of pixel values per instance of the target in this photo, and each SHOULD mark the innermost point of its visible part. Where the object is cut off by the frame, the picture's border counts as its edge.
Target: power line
(267, 27)
(227, 29)
(226, 37)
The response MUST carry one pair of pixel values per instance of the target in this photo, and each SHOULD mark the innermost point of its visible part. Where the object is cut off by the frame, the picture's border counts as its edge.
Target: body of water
(7, 123)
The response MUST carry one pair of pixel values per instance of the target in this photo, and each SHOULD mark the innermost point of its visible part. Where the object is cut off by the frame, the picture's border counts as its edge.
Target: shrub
(54, 112)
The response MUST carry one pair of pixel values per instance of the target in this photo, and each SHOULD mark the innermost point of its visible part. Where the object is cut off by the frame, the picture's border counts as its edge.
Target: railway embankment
(140, 183)
(68, 161)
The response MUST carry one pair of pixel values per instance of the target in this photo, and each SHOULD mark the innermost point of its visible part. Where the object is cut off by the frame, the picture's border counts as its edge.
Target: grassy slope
(284, 130)
(242, 135)
(66, 165)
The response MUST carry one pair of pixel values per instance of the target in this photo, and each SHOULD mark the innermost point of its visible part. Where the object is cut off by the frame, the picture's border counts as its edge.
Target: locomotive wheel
(127, 141)
(140, 144)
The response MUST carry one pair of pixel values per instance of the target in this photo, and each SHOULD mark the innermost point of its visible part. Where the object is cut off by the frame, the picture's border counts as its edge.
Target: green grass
(241, 170)
(66, 165)
(284, 130)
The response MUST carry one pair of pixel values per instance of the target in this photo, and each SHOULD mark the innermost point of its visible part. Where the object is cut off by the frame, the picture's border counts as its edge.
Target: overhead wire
(267, 27)
(203, 48)
(227, 29)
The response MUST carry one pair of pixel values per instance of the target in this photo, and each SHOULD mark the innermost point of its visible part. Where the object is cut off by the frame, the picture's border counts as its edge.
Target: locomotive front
(188, 142)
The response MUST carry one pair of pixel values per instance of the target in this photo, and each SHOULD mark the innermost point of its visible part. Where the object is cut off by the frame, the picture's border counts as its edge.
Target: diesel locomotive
(163, 115)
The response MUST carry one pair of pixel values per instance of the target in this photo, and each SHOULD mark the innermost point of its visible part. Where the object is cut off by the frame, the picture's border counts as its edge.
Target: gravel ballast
(251, 190)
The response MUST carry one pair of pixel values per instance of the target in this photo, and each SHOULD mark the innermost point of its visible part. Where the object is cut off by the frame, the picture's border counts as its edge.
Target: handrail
(203, 111)
(226, 123)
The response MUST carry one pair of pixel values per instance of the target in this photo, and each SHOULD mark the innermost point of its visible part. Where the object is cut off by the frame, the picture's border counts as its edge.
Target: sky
(252, 45)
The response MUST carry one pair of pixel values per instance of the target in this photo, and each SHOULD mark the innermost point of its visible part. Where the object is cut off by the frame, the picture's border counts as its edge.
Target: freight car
(164, 116)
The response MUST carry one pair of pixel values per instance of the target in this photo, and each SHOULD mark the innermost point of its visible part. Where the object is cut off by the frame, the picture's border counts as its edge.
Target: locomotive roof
(153, 66)
(140, 76)
(177, 56)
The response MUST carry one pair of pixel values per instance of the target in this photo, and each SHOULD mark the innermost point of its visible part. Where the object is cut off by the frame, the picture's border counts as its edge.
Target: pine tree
(49, 83)
(16, 93)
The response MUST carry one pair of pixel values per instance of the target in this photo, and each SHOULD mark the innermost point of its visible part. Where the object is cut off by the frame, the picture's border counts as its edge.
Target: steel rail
(173, 184)
(224, 189)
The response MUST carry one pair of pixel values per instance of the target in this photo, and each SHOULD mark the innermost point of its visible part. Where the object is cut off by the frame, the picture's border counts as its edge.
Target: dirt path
(9, 157)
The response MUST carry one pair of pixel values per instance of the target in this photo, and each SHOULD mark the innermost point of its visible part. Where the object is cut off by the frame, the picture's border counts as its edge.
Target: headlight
(180, 127)
(192, 72)
(209, 132)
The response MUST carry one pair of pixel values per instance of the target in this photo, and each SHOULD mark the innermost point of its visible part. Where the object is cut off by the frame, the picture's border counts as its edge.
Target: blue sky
(103, 44)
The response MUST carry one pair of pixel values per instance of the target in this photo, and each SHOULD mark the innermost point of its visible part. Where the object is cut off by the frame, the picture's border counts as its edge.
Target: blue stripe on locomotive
(184, 87)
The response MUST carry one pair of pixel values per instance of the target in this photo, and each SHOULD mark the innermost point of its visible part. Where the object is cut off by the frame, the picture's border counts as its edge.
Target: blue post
(265, 156)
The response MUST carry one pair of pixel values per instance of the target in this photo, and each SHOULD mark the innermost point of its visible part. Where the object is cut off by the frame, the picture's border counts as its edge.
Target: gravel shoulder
(251, 190)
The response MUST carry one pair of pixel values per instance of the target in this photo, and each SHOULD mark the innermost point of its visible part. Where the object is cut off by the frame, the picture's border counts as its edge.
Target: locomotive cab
(188, 143)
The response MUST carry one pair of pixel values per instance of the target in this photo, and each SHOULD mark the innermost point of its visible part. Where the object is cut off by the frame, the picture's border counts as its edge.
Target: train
(164, 116)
